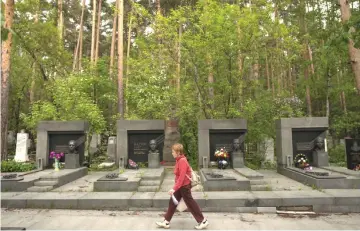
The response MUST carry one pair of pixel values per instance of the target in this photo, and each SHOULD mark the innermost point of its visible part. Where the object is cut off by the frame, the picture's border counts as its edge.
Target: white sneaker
(202, 225)
(163, 224)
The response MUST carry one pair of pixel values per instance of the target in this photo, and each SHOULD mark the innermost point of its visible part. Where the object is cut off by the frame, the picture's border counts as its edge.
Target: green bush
(337, 154)
(13, 166)
(254, 160)
(270, 165)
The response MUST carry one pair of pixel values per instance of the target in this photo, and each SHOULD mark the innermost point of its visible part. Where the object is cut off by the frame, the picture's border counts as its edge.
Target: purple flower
(61, 154)
(52, 154)
(58, 156)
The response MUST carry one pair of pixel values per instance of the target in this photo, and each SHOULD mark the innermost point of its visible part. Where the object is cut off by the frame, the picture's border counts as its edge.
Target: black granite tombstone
(220, 138)
(138, 144)
(352, 152)
(303, 140)
(59, 142)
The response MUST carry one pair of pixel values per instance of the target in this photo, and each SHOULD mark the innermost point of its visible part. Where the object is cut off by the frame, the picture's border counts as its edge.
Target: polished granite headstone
(352, 153)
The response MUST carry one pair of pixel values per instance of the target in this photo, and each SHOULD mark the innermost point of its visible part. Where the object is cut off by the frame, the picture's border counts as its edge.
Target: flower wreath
(301, 161)
(222, 153)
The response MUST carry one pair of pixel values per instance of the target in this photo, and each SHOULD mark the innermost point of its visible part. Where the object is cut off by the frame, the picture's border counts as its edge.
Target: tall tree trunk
(78, 51)
(33, 84)
(5, 74)
(112, 52)
(342, 93)
(60, 20)
(311, 61)
(113, 40)
(353, 52)
(240, 69)
(158, 7)
(328, 94)
(267, 73)
(33, 76)
(279, 80)
(256, 70)
(93, 33)
(272, 79)
(178, 65)
(120, 58)
(97, 42)
(307, 91)
(128, 58)
(291, 87)
(210, 81)
(303, 30)
(81, 33)
(240, 62)
(343, 101)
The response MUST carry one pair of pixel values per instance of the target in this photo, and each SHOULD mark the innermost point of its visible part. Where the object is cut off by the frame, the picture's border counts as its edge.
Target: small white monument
(269, 150)
(22, 145)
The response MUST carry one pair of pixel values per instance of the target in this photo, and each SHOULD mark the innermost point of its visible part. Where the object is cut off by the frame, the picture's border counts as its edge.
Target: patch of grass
(314, 187)
(142, 164)
(252, 166)
(95, 168)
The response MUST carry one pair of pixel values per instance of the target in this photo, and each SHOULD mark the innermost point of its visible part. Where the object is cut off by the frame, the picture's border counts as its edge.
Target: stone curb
(329, 201)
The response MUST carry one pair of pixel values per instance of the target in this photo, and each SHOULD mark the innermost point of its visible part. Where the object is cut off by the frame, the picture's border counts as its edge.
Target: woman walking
(182, 189)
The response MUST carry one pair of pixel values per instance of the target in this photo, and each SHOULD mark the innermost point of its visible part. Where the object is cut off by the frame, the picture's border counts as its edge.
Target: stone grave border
(123, 126)
(204, 127)
(43, 129)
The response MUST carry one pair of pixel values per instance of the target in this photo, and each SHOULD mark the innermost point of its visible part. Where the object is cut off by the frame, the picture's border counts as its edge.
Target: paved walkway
(112, 220)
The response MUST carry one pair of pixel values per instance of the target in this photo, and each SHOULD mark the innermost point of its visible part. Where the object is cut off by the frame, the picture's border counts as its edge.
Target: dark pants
(185, 193)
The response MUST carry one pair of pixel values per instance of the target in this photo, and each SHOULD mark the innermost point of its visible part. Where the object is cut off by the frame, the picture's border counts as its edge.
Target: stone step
(150, 177)
(260, 188)
(45, 183)
(150, 183)
(258, 182)
(40, 188)
(148, 188)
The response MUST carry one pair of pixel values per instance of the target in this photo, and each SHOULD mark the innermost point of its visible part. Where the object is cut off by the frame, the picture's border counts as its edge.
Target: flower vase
(56, 165)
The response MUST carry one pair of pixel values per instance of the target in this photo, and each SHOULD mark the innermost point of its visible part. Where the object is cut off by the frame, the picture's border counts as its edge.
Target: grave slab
(17, 201)
(59, 200)
(345, 197)
(142, 199)
(267, 199)
(105, 200)
(161, 200)
(230, 199)
(292, 198)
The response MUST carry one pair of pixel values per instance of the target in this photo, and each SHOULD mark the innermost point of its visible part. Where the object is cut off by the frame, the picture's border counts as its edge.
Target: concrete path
(116, 220)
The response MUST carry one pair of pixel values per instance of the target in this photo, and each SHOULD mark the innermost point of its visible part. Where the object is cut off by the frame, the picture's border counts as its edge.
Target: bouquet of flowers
(221, 154)
(357, 167)
(56, 157)
(302, 162)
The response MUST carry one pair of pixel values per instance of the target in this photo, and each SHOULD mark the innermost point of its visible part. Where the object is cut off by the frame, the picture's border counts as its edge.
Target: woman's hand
(171, 192)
